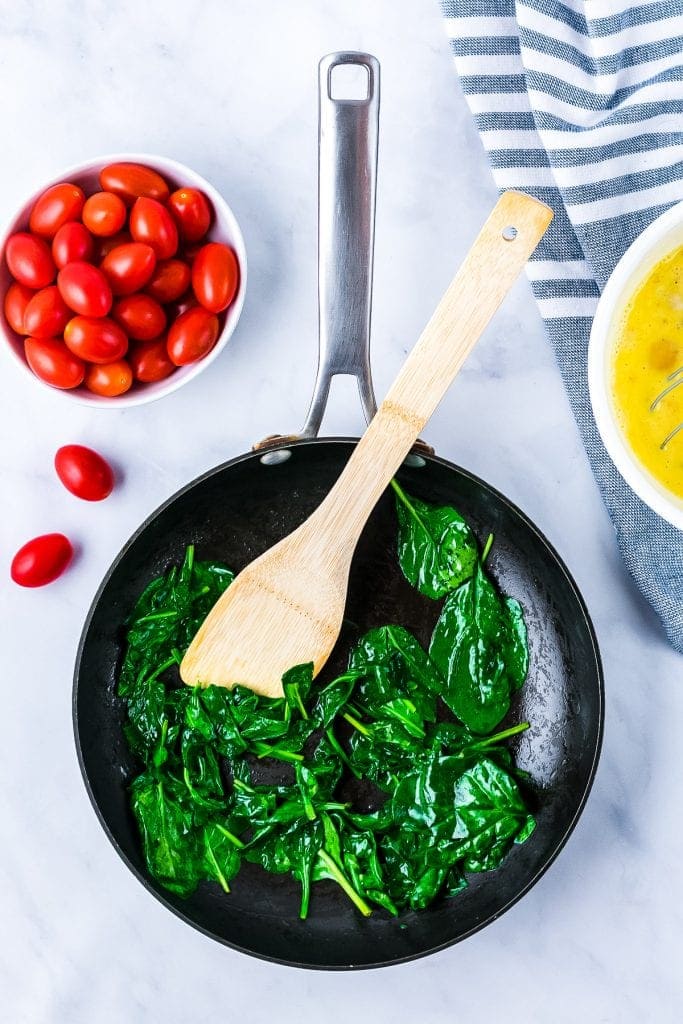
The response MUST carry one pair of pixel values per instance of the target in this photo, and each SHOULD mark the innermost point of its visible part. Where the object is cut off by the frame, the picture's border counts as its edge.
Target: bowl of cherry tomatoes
(121, 280)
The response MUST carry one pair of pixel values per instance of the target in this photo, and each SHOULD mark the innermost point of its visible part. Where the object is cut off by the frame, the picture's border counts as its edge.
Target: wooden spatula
(287, 606)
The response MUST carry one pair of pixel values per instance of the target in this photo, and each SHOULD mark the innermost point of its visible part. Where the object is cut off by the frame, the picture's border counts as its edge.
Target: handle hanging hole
(349, 82)
(275, 458)
(509, 233)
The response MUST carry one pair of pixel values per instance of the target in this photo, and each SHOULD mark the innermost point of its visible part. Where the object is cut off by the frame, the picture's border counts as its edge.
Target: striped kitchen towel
(581, 104)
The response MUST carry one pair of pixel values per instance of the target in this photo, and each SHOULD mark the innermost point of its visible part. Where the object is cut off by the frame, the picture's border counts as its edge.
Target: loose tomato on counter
(121, 287)
(84, 472)
(41, 560)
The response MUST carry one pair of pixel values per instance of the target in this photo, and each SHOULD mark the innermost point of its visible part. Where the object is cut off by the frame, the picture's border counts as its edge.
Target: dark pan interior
(234, 513)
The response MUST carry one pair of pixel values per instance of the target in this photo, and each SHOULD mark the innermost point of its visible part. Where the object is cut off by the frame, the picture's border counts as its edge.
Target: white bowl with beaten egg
(635, 353)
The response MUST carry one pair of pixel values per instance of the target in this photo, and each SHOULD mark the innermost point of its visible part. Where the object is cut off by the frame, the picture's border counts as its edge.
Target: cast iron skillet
(235, 512)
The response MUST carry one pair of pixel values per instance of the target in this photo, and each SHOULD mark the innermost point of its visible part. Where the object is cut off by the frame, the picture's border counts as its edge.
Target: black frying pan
(235, 512)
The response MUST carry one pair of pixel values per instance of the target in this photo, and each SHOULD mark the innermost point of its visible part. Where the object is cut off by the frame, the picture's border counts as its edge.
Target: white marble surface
(229, 87)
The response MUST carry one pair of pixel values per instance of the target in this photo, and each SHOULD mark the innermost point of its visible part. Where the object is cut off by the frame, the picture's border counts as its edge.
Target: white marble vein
(229, 87)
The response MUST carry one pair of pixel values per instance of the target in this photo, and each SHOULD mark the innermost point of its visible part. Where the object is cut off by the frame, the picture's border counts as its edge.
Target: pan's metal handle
(348, 131)
(347, 180)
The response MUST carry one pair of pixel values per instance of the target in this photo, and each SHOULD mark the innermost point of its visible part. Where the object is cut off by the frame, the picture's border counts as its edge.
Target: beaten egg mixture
(647, 362)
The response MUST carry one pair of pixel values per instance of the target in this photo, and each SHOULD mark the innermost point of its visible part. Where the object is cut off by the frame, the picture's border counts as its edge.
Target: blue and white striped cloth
(581, 104)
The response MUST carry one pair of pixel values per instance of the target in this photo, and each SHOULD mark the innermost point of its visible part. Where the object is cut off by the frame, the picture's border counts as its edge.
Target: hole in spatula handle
(509, 233)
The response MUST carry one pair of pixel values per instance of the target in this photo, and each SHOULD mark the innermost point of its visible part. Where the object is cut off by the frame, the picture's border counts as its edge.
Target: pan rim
(394, 961)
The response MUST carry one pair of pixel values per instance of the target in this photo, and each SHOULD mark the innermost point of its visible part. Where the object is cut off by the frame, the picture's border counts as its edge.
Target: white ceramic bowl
(662, 236)
(224, 228)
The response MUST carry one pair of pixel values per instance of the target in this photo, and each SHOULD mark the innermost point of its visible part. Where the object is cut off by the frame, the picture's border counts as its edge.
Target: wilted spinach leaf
(437, 550)
(518, 650)
(164, 818)
(296, 684)
(392, 664)
(478, 645)
(490, 815)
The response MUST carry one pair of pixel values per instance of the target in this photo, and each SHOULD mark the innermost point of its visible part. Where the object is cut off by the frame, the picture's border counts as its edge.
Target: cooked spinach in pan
(440, 789)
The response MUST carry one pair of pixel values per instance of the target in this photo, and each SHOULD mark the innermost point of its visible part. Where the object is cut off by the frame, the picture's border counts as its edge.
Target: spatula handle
(507, 239)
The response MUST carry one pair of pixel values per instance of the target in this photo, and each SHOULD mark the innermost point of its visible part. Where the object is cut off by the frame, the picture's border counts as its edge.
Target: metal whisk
(675, 379)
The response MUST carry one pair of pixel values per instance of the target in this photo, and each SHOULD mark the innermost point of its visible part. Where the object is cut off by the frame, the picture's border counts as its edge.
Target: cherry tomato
(72, 243)
(106, 245)
(170, 280)
(84, 472)
(109, 379)
(30, 260)
(190, 251)
(215, 275)
(177, 309)
(17, 298)
(95, 339)
(47, 314)
(150, 361)
(41, 560)
(141, 316)
(151, 223)
(57, 205)
(192, 336)
(51, 360)
(104, 214)
(192, 213)
(129, 267)
(133, 180)
(85, 289)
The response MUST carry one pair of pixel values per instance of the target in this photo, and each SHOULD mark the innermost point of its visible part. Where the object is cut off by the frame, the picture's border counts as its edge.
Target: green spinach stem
(341, 880)
(305, 892)
(265, 750)
(300, 704)
(214, 863)
(157, 615)
(161, 668)
(505, 734)
(340, 752)
(356, 724)
(231, 836)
